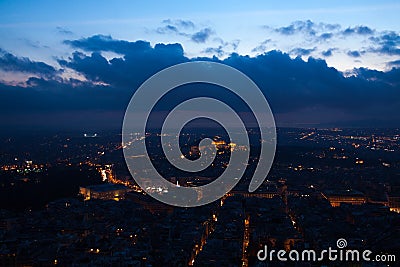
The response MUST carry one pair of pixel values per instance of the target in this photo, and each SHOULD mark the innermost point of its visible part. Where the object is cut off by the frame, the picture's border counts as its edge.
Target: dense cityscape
(68, 199)
(200, 133)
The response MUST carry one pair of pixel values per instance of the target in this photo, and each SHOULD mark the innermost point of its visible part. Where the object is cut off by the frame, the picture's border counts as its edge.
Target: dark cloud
(262, 47)
(184, 28)
(218, 51)
(174, 27)
(388, 38)
(139, 60)
(326, 36)
(329, 26)
(186, 24)
(354, 53)
(223, 49)
(202, 35)
(235, 44)
(387, 43)
(395, 63)
(288, 30)
(291, 85)
(307, 27)
(10, 62)
(302, 51)
(387, 50)
(171, 29)
(97, 43)
(361, 30)
(298, 26)
(294, 84)
(64, 31)
(167, 29)
(328, 52)
(391, 78)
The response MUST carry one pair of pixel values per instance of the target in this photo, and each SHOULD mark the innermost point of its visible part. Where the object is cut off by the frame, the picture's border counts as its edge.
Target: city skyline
(326, 185)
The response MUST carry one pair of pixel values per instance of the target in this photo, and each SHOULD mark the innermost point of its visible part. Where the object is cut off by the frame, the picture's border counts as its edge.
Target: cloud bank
(299, 91)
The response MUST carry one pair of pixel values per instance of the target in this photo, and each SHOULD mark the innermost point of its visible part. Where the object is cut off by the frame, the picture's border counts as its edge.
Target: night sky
(76, 65)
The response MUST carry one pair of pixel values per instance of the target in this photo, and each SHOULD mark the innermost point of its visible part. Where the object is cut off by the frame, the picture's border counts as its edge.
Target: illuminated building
(104, 191)
(394, 203)
(106, 173)
(353, 197)
(219, 143)
(266, 194)
(90, 135)
(268, 190)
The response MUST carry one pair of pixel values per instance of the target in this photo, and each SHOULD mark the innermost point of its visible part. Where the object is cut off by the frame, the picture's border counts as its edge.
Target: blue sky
(318, 62)
(37, 29)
